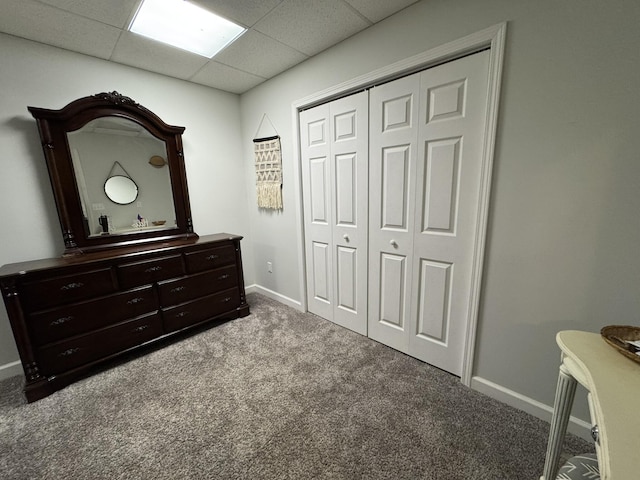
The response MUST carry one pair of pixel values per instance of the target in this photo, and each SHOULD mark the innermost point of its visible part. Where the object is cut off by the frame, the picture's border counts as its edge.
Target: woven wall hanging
(268, 158)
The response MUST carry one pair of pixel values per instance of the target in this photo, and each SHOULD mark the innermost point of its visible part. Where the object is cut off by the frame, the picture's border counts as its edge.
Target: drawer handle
(182, 314)
(140, 328)
(211, 257)
(222, 277)
(60, 321)
(228, 299)
(68, 352)
(157, 268)
(71, 286)
(133, 301)
(178, 289)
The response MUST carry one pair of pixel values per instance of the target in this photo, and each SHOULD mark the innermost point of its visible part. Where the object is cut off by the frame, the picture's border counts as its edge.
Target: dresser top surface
(131, 251)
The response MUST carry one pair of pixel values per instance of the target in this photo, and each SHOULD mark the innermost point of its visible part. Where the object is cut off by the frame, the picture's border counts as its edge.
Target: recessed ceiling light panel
(184, 25)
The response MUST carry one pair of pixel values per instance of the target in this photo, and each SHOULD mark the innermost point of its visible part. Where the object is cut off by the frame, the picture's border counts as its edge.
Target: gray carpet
(276, 395)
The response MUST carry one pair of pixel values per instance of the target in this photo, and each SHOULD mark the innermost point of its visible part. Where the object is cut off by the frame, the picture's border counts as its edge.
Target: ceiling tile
(311, 25)
(46, 24)
(138, 51)
(256, 53)
(376, 10)
(113, 12)
(226, 78)
(245, 12)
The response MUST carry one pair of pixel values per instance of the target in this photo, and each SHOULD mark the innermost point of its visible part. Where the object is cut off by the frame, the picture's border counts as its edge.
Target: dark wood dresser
(72, 314)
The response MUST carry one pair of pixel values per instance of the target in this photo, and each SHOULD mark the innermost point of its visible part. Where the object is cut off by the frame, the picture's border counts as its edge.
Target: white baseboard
(576, 426)
(12, 369)
(274, 296)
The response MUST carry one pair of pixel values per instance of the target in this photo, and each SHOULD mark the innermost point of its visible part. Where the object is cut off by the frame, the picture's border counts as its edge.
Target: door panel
(393, 146)
(396, 162)
(320, 269)
(318, 173)
(433, 300)
(346, 190)
(347, 278)
(315, 149)
(450, 148)
(441, 186)
(394, 272)
(350, 153)
(334, 152)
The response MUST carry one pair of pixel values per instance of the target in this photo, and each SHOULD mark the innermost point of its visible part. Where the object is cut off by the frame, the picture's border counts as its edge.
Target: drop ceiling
(281, 34)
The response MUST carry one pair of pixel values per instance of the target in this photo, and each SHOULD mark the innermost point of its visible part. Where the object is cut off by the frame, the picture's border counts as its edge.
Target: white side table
(613, 383)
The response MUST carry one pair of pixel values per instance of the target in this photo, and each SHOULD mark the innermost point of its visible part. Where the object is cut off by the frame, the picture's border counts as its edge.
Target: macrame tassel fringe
(269, 195)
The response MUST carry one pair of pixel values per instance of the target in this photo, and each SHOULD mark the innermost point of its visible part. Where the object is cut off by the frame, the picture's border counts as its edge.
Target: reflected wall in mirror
(83, 144)
(111, 163)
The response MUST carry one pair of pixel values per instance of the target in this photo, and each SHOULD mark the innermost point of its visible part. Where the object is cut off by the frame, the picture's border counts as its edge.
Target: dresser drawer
(210, 258)
(54, 291)
(61, 356)
(149, 271)
(183, 289)
(62, 322)
(180, 316)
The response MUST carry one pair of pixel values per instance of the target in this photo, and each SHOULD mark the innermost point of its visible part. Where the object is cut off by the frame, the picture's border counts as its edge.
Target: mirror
(118, 150)
(113, 187)
(121, 190)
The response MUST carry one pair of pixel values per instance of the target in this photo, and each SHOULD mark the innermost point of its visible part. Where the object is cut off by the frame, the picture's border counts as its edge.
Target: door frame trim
(493, 38)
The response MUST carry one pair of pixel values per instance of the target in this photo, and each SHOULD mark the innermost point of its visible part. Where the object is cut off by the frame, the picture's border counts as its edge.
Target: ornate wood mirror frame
(54, 127)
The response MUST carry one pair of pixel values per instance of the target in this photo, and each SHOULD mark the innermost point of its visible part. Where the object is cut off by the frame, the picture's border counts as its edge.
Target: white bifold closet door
(334, 149)
(426, 150)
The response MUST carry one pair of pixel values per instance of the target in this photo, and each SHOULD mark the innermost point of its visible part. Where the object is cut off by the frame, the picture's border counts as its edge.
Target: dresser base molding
(73, 317)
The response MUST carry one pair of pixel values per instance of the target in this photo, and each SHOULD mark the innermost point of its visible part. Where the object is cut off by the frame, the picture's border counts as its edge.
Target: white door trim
(493, 38)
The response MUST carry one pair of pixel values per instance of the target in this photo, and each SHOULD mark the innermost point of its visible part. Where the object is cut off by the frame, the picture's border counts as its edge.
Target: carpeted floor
(276, 395)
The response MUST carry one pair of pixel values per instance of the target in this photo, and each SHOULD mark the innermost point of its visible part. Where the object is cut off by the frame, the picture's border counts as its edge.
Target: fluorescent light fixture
(184, 25)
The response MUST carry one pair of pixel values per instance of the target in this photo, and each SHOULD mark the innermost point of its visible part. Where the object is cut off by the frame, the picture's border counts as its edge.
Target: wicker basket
(615, 335)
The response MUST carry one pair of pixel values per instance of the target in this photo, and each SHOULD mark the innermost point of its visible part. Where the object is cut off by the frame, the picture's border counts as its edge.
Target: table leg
(565, 392)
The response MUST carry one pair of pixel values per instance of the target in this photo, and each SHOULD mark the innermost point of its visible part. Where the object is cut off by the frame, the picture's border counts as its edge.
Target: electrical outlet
(270, 267)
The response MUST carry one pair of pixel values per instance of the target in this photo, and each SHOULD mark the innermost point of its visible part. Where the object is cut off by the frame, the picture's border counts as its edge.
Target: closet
(390, 222)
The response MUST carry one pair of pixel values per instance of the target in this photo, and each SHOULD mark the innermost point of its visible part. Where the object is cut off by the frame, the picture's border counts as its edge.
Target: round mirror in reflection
(121, 190)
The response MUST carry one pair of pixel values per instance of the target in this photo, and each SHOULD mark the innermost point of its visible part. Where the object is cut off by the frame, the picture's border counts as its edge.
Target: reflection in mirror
(120, 189)
(130, 207)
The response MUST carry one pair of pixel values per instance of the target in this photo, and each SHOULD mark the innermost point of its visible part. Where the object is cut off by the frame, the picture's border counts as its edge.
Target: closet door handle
(346, 237)
(393, 243)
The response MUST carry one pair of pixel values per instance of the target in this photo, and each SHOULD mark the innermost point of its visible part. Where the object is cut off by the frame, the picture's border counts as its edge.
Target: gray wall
(564, 229)
(32, 74)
